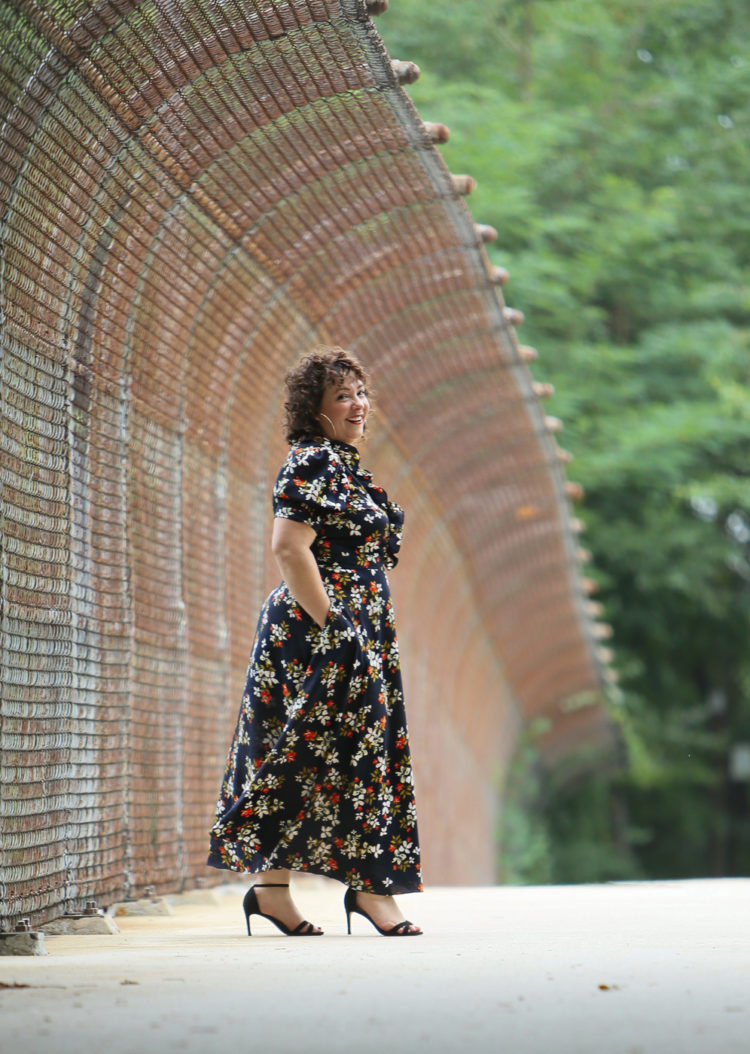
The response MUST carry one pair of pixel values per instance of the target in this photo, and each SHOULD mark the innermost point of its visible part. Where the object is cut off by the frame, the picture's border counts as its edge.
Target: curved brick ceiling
(193, 193)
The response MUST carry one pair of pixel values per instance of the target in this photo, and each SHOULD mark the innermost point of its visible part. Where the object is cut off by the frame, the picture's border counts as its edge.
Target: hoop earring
(328, 419)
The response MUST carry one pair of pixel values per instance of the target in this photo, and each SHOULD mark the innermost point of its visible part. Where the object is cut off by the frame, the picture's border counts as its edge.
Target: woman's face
(343, 409)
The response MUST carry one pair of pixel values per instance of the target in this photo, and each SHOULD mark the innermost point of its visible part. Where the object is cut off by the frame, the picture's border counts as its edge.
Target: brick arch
(191, 195)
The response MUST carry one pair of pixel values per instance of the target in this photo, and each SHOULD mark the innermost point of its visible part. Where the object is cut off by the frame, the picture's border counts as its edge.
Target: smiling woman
(319, 773)
(328, 390)
(344, 408)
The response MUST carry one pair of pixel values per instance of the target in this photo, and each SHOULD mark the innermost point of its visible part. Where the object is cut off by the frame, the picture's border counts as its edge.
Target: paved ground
(633, 968)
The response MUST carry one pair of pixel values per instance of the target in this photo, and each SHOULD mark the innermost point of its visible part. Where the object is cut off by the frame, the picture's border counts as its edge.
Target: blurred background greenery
(610, 141)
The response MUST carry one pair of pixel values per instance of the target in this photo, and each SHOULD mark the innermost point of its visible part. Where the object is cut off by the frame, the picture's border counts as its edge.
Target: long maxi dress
(319, 774)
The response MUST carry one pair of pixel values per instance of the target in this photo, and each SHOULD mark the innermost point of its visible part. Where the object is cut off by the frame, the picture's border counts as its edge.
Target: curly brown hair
(307, 382)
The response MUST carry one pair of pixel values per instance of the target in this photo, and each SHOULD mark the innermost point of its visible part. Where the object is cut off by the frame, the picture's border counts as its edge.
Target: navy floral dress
(319, 775)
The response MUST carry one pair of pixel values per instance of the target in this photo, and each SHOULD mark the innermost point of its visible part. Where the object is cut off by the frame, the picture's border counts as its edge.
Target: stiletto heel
(400, 929)
(251, 907)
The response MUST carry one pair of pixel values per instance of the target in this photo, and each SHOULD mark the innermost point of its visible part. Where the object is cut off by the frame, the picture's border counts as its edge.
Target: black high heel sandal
(400, 929)
(251, 907)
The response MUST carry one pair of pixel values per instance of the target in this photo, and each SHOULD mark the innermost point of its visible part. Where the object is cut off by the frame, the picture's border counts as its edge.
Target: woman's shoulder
(311, 479)
(312, 452)
(311, 458)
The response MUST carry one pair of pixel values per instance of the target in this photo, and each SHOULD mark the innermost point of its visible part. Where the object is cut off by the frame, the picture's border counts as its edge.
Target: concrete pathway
(625, 968)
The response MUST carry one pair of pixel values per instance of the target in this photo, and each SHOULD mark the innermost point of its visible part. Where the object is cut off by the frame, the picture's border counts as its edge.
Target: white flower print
(318, 774)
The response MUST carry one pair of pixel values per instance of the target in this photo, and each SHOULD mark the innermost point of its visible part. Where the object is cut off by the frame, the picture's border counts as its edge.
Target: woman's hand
(290, 545)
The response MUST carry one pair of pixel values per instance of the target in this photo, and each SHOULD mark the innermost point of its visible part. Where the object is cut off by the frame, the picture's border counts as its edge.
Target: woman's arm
(290, 544)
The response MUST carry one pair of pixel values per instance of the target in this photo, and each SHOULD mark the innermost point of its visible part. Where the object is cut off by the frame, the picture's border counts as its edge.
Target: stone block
(98, 923)
(25, 942)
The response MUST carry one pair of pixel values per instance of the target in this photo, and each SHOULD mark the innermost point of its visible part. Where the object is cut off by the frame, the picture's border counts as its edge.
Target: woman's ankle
(278, 877)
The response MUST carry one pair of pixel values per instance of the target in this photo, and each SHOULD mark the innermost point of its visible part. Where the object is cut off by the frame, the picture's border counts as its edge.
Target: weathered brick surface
(192, 194)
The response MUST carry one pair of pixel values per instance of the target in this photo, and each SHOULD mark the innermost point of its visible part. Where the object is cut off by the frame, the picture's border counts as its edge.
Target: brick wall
(192, 194)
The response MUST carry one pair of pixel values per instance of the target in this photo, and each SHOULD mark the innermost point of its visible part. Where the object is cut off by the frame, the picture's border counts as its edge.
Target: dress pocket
(338, 638)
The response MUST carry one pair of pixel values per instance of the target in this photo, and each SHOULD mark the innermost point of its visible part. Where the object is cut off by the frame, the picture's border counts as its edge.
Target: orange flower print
(314, 780)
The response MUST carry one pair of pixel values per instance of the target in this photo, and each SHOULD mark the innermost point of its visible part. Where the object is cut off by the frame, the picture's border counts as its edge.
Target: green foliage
(525, 846)
(610, 144)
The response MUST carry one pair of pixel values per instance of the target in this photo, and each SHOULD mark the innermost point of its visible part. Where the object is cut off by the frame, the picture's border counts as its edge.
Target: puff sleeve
(310, 486)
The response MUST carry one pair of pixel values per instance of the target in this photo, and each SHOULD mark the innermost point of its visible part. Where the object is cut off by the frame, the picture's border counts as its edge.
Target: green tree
(610, 143)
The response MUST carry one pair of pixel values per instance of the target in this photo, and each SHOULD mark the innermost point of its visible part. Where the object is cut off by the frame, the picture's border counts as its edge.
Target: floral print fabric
(319, 775)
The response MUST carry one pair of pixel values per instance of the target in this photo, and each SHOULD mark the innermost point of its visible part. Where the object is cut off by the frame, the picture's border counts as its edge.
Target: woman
(319, 775)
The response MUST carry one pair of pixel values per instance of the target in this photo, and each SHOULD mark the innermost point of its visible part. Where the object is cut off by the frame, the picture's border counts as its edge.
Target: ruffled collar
(349, 455)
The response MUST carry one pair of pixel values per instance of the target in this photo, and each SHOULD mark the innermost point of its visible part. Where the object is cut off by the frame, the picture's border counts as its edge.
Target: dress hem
(393, 890)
